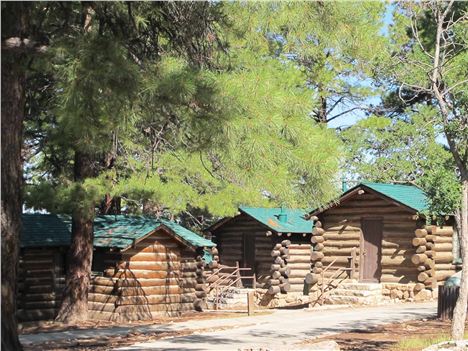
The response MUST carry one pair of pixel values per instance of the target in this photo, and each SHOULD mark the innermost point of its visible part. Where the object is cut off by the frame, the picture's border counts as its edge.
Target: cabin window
(456, 248)
(98, 264)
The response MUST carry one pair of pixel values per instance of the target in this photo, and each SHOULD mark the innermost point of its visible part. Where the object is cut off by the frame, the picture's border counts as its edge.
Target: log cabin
(41, 273)
(378, 233)
(143, 267)
(275, 243)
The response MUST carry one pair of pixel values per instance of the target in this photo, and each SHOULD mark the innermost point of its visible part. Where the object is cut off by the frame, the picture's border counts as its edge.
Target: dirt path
(407, 336)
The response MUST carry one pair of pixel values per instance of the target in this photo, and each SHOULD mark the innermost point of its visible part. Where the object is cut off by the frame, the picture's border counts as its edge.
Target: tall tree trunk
(12, 125)
(74, 306)
(459, 314)
(12, 116)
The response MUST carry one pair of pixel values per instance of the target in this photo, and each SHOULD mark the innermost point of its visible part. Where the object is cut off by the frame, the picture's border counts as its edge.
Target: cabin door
(371, 249)
(248, 253)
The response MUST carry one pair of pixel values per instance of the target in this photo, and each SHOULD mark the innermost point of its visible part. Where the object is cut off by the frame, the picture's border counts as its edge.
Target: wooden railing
(327, 285)
(223, 283)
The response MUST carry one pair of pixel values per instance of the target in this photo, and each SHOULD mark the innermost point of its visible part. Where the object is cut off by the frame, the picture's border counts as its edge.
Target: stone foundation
(263, 299)
(405, 292)
(390, 292)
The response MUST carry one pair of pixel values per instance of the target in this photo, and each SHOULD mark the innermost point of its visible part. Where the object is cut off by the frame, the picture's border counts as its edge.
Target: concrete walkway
(277, 331)
(284, 328)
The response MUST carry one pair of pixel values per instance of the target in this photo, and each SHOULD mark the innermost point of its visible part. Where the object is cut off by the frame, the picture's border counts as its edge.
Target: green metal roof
(45, 230)
(408, 195)
(119, 231)
(294, 221)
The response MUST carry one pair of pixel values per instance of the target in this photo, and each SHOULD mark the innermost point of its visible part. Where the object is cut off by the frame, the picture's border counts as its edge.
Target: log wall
(41, 278)
(228, 238)
(298, 264)
(342, 233)
(159, 276)
(444, 257)
(292, 251)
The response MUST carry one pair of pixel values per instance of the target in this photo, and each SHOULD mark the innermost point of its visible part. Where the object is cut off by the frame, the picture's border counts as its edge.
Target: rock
(396, 294)
(328, 345)
(449, 346)
(423, 295)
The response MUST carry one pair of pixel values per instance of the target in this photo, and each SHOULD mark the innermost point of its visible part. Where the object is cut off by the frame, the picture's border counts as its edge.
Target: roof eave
(353, 191)
(160, 226)
(218, 224)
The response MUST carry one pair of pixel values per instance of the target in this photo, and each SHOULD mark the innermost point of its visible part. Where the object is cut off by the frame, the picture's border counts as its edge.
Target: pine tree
(404, 149)
(95, 60)
(15, 28)
(339, 46)
(182, 159)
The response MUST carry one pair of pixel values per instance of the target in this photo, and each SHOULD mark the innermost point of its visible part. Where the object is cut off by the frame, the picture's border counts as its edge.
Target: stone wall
(406, 293)
(263, 299)
(391, 292)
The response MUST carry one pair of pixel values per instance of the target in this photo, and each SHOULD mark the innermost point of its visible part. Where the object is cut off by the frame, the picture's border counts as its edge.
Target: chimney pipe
(344, 185)
(282, 217)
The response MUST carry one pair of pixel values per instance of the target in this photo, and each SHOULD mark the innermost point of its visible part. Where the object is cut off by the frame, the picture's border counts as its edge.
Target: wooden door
(371, 249)
(248, 253)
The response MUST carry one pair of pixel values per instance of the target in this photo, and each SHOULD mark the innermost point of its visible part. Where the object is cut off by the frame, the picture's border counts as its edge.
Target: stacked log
(316, 253)
(279, 272)
(157, 277)
(285, 272)
(443, 246)
(40, 281)
(230, 242)
(201, 288)
(215, 258)
(298, 265)
(273, 282)
(423, 259)
(213, 266)
(158, 285)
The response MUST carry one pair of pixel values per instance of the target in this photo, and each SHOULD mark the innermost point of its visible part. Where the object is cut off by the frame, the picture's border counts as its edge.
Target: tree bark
(459, 313)
(439, 90)
(12, 123)
(74, 305)
(110, 205)
(12, 116)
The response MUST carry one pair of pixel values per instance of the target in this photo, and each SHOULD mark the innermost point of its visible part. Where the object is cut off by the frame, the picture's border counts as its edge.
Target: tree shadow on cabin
(406, 269)
(137, 302)
(134, 300)
(172, 307)
(130, 296)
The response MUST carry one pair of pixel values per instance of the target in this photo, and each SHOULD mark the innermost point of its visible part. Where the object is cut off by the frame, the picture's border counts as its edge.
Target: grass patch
(421, 342)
